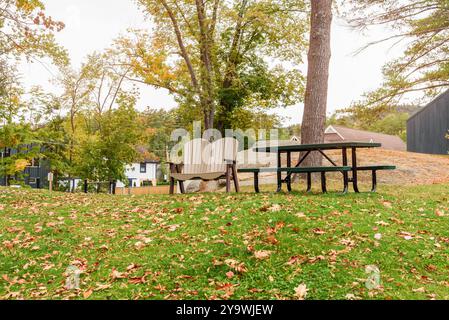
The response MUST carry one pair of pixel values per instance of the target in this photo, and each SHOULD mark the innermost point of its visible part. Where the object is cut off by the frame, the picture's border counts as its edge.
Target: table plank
(314, 147)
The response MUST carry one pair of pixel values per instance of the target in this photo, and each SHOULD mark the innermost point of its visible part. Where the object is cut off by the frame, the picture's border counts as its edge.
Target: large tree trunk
(314, 119)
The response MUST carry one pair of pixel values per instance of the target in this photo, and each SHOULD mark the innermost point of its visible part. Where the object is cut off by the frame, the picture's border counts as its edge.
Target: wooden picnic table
(307, 149)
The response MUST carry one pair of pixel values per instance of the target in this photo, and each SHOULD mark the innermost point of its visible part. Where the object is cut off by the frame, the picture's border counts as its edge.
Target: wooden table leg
(181, 187)
(172, 185)
(354, 170)
(228, 178)
(236, 178)
(279, 174)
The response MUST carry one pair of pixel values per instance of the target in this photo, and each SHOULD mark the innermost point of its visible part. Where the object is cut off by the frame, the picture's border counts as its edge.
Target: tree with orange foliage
(25, 30)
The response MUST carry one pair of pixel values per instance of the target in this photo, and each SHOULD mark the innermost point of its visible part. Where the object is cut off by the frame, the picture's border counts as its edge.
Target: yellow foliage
(21, 164)
(150, 131)
(29, 5)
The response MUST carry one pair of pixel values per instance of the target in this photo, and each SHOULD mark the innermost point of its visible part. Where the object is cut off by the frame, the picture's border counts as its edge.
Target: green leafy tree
(11, 93)
(54, 139)
(393, 123)
(40, 107)
(25, 31)
(291, 131)
(158, 124)
(90, 95)
(21, 139)
(108, 78)
(218, 57)
(106, 151)
(77, 86)
(15, 134)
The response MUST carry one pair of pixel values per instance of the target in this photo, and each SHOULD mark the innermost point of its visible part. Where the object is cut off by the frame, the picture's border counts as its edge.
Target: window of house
(143, 168)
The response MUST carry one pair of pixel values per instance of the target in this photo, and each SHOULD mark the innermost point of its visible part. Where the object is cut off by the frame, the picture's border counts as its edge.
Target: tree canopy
(219, 57)
(25, 30)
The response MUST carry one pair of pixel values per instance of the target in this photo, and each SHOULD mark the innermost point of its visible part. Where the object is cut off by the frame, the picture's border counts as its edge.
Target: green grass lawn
(218, 246)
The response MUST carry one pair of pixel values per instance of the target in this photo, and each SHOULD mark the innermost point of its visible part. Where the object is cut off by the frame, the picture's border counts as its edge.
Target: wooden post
(228, 178)
(50, 181)
(236, 178)
(112, 187)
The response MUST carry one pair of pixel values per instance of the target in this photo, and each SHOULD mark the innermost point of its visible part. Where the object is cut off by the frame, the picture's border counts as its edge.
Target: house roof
(295, 139)
(346, 134)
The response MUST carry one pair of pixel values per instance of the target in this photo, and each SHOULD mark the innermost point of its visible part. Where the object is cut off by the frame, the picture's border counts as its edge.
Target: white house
(140, 174)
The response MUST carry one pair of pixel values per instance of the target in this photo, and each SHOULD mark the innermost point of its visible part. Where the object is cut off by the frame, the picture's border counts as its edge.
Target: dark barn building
(427, 129)
(35, 175)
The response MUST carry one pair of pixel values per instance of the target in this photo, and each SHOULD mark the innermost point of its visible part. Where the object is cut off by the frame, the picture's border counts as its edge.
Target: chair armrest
(176, 167)
(175, 163)
(230, 161)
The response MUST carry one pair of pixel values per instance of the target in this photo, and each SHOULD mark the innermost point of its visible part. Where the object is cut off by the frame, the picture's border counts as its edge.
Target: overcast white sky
(92, 25)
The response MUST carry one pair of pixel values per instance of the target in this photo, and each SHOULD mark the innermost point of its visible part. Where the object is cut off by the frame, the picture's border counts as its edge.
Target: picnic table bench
(306, 150)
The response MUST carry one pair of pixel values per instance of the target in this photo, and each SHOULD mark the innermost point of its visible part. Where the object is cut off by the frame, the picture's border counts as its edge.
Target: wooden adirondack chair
(208, 162)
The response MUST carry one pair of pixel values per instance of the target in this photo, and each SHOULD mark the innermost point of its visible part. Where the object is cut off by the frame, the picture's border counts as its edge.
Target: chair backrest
(220, 153)
(193, 156)
(200, 156)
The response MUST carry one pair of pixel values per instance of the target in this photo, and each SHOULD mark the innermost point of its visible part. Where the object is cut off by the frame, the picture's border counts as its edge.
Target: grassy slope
(183, 246)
